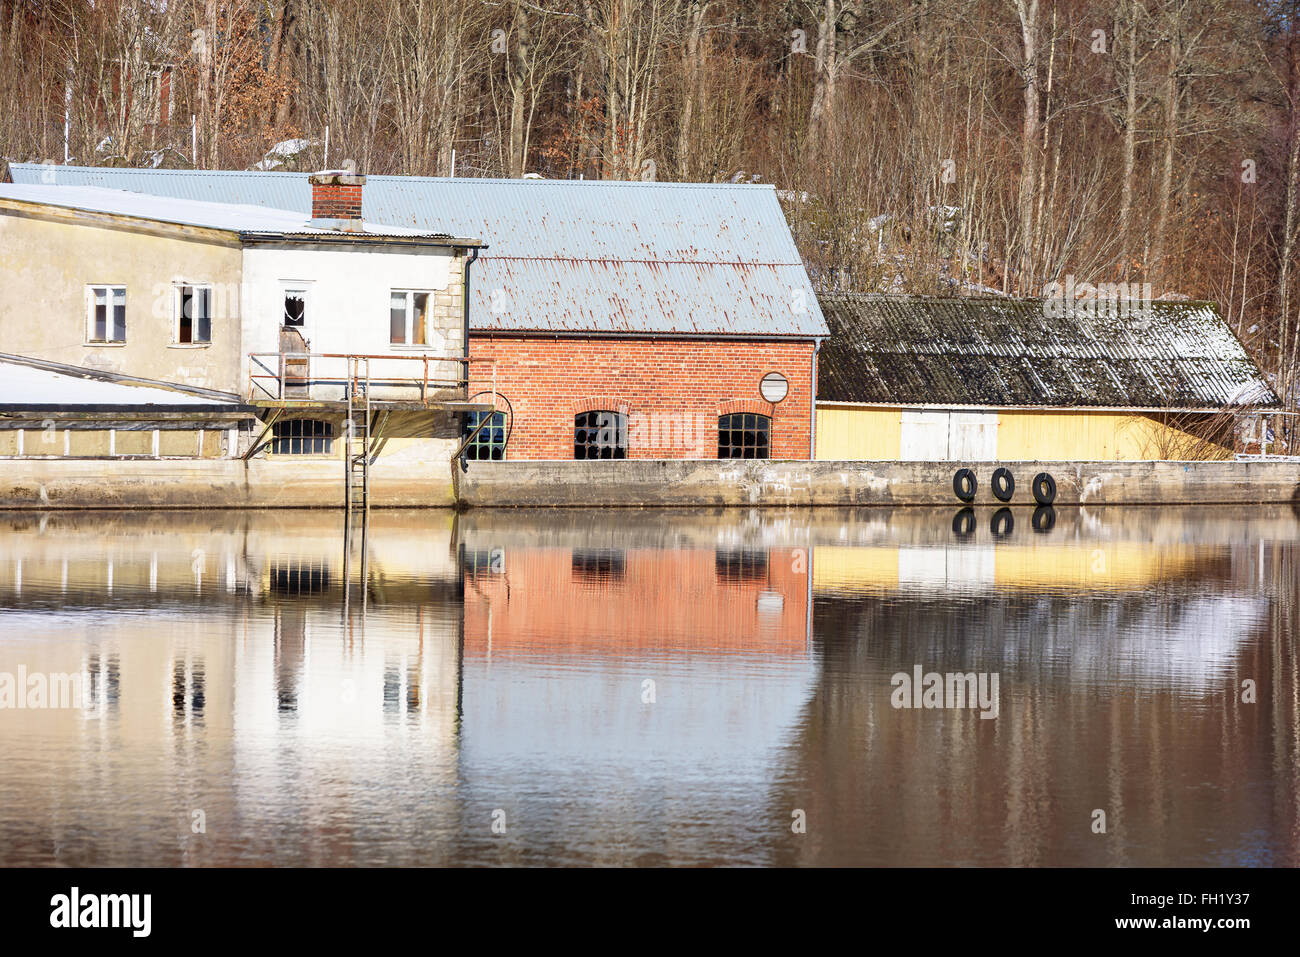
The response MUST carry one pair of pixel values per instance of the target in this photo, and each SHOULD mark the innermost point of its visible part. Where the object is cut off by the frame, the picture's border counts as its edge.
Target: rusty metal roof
(999, 352)
(563, 255)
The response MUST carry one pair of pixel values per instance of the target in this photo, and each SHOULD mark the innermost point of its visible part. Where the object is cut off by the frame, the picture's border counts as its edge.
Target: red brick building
(638, 320)
(671, 393)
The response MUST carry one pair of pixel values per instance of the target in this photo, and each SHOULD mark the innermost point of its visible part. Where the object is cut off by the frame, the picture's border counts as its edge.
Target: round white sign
(774, 387)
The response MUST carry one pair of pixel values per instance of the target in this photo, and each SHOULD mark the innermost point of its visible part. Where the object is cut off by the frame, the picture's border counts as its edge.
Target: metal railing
(333, 376)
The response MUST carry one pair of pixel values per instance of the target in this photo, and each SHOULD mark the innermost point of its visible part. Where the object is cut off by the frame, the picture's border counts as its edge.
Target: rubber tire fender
(1044, 489)
(960, 481)
(1004, 484)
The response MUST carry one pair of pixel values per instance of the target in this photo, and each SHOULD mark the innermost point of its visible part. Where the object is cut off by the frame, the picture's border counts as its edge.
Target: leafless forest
(923, 146)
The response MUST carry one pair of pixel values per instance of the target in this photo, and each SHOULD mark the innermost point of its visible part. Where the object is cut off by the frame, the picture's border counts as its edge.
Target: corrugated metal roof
(568, 255)
(278, 190)
(997, 352)
(24, 384)
(237, 218)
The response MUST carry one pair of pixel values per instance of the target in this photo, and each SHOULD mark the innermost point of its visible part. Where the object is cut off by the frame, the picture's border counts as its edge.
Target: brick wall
(672, 391)
(329, 201)
(541, 602)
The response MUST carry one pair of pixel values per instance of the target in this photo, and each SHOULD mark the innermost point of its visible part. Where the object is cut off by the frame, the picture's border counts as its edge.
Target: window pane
(397, 318)
(185, 327)
(600, 435)
(744, 436)
(101, 315)
(295, 307)
(203, 319)
(419, 317)
(302, 437)
(119, 314)
(490, 443)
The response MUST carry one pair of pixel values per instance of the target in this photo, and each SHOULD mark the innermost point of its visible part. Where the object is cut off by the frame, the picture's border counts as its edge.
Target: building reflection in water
(648, 687)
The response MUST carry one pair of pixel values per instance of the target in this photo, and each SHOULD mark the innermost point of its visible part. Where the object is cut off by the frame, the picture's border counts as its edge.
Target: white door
(973, 436)
(924, 436)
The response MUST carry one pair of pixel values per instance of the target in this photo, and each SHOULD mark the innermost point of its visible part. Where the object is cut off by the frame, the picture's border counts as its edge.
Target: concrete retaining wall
(211, 483)
(715, 483)
(261, 483)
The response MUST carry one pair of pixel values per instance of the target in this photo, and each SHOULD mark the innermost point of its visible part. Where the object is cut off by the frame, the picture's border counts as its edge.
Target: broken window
(490, 442)
(295, 308)
(600, 435)
(408, 318)
(107, 319)
(744, 435)
(194, 314)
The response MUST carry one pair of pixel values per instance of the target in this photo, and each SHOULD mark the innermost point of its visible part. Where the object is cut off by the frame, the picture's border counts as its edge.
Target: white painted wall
(948, 436)
(348, 292)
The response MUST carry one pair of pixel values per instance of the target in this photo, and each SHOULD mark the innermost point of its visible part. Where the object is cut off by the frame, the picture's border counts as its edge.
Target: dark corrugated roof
(995, 352)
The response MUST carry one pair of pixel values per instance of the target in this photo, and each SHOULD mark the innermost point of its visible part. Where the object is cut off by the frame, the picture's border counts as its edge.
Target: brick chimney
(336, 199)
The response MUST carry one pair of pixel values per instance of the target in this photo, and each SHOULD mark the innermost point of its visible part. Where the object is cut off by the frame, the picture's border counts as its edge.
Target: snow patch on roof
(187, 212)
(22, 385)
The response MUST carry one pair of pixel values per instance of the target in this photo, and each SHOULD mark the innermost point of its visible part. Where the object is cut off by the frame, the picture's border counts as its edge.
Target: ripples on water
(650, 687)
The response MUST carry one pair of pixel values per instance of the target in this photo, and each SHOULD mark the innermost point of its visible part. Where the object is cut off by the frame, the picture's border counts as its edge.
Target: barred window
(302, 437)
(744, 435)
(490, 443)
(740, 564)
(598, 564)
(292, 576)
(600, 435)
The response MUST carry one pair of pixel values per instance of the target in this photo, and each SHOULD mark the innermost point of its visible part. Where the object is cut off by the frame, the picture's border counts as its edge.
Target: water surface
(652, 687)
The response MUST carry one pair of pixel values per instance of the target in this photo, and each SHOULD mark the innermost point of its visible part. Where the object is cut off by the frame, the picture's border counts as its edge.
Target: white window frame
(176, 313)
(410, 295)
(108, 288)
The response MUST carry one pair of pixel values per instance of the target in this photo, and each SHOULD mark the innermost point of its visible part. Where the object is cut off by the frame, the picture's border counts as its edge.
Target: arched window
(490, 443)
(600, 434)
(744, 435)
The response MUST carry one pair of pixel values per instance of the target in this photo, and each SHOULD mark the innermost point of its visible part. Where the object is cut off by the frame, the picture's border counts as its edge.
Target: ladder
(356, 439)
(356, 478)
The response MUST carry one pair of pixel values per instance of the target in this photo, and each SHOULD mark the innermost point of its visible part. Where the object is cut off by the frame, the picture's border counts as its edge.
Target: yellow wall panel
(133, 442)
(88, 443)
(1089, 436)
(182, 443)
(837, 567)
(848, 433)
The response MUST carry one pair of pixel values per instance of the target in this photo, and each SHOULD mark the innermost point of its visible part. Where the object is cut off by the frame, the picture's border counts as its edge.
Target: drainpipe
(812, 428)
(464, 309)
